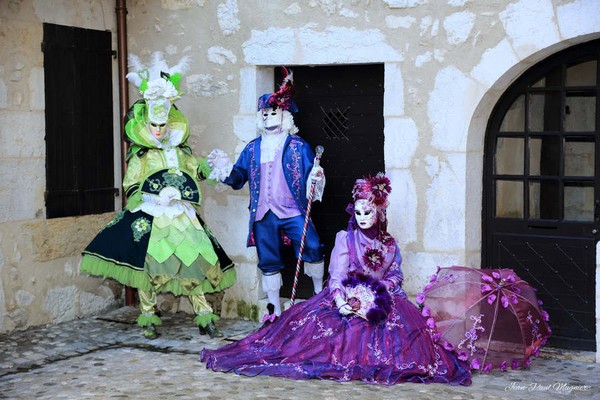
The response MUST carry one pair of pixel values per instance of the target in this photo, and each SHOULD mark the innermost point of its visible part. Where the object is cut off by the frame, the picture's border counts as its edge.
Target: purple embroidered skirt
(312, 340)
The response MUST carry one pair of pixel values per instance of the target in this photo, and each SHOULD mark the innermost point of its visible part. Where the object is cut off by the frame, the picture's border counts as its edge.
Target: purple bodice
(345, 261)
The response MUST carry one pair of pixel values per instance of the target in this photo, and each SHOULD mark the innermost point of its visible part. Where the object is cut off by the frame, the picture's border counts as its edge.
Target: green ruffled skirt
(179, 256)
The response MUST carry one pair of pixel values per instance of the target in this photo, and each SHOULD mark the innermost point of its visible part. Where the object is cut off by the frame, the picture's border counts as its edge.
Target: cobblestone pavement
(107, 357)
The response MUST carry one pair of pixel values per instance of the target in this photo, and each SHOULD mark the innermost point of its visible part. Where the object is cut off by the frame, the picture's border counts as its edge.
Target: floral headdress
(158, 83)
(281, 98)
(375, 189)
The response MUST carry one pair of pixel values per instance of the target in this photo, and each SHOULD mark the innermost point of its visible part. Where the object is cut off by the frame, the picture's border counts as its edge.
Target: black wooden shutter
(79, 121)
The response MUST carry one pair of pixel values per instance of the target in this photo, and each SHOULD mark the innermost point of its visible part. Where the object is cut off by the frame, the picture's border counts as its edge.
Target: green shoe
(210, 329)
(150, 332)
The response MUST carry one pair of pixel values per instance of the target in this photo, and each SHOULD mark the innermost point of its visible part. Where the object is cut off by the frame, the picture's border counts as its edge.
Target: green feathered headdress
(158, 83)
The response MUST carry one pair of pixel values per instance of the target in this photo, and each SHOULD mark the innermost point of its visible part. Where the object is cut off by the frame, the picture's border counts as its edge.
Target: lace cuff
(319, 188)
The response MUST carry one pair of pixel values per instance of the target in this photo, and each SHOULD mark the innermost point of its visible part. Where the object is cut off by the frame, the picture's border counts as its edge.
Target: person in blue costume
(159, 243)
(279, 169)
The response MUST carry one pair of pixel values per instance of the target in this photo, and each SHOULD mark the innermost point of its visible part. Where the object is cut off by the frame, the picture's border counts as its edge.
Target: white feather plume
(288, 78)
(157, 65)
(134, 78)
(135, 66)
(182, 66)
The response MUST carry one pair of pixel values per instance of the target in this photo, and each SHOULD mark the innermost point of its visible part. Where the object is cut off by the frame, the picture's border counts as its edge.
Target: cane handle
(319, 152)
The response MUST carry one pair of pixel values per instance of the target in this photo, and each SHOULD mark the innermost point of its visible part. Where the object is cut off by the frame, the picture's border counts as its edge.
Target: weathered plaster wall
(39, 259)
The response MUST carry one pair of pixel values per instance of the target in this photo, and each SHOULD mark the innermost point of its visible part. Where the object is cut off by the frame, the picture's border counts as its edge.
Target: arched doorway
(541, 197)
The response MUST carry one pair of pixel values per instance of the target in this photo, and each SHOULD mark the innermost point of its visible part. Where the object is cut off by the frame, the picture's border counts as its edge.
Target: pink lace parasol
(491, 316)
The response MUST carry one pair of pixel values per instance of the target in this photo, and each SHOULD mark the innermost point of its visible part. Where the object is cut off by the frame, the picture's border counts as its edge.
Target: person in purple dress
(361, 326)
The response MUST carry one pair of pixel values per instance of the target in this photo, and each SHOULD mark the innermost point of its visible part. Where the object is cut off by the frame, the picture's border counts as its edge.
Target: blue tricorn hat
(283, 97)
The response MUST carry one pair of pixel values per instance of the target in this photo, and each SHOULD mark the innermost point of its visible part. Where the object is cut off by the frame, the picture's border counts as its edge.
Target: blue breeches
(269, 242)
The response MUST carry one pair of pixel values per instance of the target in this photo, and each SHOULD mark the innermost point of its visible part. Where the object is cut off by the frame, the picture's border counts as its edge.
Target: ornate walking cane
(319, 152)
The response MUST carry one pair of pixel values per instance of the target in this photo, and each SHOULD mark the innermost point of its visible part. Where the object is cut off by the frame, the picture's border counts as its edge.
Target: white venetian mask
(159, 131)
(272, 119)
(365, 213)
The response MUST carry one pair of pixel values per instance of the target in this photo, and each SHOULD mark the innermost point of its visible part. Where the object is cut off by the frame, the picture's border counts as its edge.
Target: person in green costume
(159, 243)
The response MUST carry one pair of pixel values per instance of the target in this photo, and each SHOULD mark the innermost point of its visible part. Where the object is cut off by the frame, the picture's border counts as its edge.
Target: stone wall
(39, 259)
(39, 272)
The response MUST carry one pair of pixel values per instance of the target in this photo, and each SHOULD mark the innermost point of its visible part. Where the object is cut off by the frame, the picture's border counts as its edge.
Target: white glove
(168, 196)
(220, 164)
(343, 307)
(218, 159)
(316, 174)
(316, 177)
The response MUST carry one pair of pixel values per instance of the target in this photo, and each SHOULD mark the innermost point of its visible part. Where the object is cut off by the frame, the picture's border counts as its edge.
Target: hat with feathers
(281, 98)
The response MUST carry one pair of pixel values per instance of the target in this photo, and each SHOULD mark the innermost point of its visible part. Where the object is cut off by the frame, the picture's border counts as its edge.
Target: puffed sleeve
(394, 277)
(132, 182)
(339, 262)
(133, 175)
(204, 171)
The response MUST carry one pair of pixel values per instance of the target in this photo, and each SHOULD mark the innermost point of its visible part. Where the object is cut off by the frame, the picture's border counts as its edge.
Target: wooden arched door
(541, 188)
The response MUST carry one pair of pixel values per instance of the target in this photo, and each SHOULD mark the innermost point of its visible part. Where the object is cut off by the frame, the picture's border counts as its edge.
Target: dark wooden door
(79, 121)
(541, 190)
(341, 109)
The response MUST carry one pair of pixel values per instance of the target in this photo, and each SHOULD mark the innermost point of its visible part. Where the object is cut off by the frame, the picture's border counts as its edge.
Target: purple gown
(313, 340)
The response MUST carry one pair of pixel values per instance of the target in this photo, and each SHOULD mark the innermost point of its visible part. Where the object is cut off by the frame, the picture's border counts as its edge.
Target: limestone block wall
(40, 281)
(39, 272)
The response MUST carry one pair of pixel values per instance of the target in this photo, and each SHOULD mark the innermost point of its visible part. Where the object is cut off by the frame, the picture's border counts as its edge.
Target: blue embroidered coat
(297, 160)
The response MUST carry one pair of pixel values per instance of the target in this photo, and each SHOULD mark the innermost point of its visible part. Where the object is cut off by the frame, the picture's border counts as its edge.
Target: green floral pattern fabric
(140, 227)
